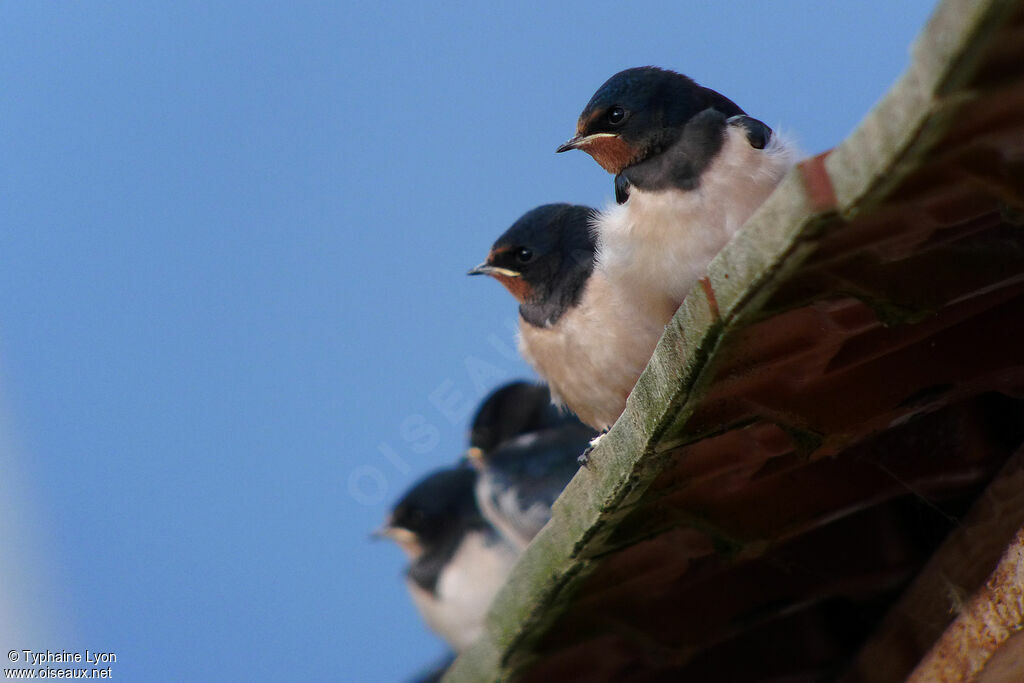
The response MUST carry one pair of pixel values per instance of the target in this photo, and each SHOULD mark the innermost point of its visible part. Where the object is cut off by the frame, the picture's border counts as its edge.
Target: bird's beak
(583, 140)
(407, 540)
(487, 269)
(475, 456)
(397, 534)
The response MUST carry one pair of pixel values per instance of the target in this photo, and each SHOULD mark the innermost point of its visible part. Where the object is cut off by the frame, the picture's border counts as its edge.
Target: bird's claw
(584, 459)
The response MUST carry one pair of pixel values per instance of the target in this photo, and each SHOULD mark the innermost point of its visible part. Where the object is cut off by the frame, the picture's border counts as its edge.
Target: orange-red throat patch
(517, 286)
(612, 152)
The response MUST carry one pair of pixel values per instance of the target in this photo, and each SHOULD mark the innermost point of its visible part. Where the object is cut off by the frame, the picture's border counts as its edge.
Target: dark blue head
(639, 112)
(512, 410)
(436, 509)
(544, 260)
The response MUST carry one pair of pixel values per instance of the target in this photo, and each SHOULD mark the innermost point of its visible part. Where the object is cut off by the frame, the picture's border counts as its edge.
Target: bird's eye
(524, 255)
(616, 115)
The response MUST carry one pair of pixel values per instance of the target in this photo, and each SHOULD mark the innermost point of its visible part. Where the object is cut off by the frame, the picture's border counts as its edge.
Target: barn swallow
(519, 480)
(690, 168)
(588, 344)
(512, 410)
(457, 560)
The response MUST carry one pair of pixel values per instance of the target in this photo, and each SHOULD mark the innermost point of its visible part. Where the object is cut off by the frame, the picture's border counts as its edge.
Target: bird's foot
(584, 459)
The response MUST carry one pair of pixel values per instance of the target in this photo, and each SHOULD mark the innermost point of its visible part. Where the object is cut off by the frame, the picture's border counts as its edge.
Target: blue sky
(234, 320)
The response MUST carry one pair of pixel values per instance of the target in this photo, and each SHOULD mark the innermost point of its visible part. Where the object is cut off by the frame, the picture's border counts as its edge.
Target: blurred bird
(589, 344)
(690, 167)
(519, 481)
(511, 410)
(530, 462)
(457, 560)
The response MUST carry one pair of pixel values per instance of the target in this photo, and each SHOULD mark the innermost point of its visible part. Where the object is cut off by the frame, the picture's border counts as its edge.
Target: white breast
(465, 589)
(658, 244)
(592, 356)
